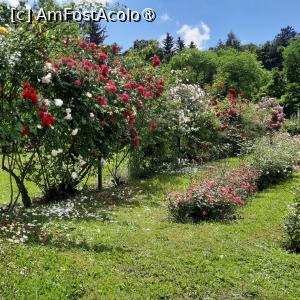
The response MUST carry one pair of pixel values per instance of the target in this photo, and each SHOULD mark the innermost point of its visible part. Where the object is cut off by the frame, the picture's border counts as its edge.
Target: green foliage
(292, 125)
(276, 156)
(241, 70)
(291, 99)
(292, 61)
(292, 223)
(277, 86)
(200, 66)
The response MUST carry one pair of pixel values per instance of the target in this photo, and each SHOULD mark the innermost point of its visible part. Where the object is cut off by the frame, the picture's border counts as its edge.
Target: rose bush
(214, 197)
(79, 108)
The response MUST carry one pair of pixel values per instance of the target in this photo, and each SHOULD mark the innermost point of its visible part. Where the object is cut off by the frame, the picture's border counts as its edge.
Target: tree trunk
(100, 183)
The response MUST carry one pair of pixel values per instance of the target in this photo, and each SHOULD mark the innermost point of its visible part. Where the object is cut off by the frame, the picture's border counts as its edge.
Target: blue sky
(209, 20)
(206, 21)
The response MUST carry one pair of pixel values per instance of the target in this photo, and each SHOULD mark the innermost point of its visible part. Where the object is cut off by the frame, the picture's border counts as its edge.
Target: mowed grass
(139, 253)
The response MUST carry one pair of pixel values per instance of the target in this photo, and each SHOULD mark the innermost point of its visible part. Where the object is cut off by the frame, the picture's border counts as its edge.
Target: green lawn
(136, 252)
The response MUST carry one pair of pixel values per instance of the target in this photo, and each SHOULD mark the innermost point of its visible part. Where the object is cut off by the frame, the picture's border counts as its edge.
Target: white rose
(47, 78)
(68, 110)
(89, 95)
(74, 175)
(48, 66)
(68, 117)
(74, 131)
(92, 115)
(39, 126)
(59, 151)
(58, 102)
(54, 153)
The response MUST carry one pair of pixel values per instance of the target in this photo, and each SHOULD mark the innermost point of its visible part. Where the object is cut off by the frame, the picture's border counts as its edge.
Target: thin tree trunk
(100, 181)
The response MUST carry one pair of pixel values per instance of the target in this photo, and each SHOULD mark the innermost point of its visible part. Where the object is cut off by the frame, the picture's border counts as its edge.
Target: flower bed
(216, 196)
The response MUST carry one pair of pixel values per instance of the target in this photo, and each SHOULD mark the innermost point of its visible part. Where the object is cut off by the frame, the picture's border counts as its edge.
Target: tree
(242, 70)
(4, 13)
(180, 44)
(168, 46)
(291, 57)
(96, 33)
(286, 34)
(192, 45)
(142, 44)
(201, 65)
(271, 52)
(232, 41)
(276, 88)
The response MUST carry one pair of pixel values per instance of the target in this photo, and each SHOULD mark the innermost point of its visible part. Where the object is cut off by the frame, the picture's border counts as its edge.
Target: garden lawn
(136, 252)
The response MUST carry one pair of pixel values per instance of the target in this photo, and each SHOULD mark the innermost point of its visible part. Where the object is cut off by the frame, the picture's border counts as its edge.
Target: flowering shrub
(276, 157)
(292, 223)
(229, 106)
(75, 110)
(195, 123)
(215, 197)
(277, 116)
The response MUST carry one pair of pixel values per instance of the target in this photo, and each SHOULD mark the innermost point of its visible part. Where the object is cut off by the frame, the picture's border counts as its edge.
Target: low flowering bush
(276, 157)
(214, 197)
(292, 223)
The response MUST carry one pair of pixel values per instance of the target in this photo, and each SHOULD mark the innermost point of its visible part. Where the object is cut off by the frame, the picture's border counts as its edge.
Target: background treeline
(271, 69)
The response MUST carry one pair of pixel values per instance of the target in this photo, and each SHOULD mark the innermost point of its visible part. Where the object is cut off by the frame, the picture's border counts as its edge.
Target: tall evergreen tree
(180, 44)
(96, 33)
(168, 46)
(286, 34)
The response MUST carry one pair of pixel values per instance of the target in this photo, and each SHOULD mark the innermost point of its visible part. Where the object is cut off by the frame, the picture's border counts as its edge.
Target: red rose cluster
(29, 93)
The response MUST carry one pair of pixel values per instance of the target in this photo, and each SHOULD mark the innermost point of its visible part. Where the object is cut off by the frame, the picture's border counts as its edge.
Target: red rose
(102, 57)
(104, 69)
(124, 98)
(25, 131)
(155, 61)
(29, 93)
(153, 125)
(103, 123)
(136, 141)
(47, 119)
(232, 91)
(77, 82)
(101, 100)
(115, 48)
(123, 71)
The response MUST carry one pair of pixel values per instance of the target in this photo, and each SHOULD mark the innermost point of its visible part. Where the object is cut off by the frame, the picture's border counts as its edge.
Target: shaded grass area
(137, 252)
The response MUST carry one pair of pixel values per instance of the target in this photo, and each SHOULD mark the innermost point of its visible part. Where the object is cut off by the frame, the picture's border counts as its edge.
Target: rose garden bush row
(67, 104)
(222, 191)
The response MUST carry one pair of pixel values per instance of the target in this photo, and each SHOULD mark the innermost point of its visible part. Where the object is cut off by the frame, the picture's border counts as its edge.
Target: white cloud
(199, 34)
(165, 18)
